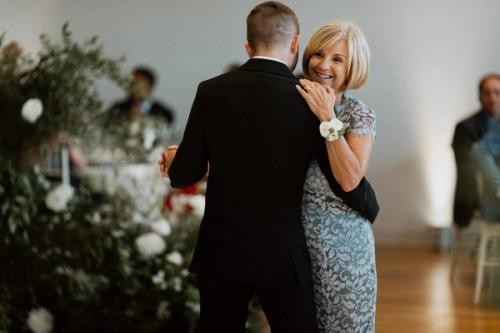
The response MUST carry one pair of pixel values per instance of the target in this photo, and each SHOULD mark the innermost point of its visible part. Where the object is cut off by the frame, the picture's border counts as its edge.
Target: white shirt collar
(270, 58)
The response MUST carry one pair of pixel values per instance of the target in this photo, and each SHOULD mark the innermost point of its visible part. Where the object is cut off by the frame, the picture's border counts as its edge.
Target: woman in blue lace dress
(340, 240)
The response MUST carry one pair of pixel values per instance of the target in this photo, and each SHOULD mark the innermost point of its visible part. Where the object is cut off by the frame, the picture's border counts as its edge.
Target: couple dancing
(288, 209)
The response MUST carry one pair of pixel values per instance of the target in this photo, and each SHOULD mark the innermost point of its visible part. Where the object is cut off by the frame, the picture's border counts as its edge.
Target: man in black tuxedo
(468, 132)
(257, 136)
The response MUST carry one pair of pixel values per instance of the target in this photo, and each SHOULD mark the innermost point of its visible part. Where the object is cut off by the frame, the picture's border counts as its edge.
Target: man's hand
(166, 159)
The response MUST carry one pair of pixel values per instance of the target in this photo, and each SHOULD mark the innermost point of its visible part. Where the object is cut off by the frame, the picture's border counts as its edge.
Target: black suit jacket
(466, 200)
(258, 135)
(120, 111)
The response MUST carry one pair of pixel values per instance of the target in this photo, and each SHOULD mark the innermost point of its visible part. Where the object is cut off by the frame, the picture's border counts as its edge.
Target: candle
(65, 165)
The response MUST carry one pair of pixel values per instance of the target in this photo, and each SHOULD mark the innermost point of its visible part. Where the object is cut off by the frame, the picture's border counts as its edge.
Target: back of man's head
(271, 25)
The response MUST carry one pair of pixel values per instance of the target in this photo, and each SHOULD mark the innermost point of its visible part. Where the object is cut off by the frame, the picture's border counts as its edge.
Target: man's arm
(484, 154)
(362, 199)
(191, 160)
(466, 196)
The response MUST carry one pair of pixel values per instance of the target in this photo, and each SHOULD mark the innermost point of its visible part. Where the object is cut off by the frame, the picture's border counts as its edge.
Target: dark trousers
(288, 305)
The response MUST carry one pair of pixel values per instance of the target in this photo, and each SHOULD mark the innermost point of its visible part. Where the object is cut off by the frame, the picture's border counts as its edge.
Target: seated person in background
(140, 99)
(468, 132)
(486, 154)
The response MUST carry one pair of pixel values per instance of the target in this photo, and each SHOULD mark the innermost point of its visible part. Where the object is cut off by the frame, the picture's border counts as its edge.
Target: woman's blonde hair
(359, 53)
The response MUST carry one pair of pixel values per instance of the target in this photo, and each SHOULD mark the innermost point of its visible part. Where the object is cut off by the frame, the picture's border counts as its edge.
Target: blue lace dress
(341, 243)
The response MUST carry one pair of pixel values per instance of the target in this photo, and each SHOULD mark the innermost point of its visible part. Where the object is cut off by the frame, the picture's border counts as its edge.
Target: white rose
(150, 244)
(162, 227)
(179, 203)
(40, 320)
(159, 279)
(137, 217)
(198, 204)
(177, 284)
(337, 124)
(32, 110)
(134, 128)
(193, 306)
(324, 129)
(175, 258)
(333, 136)
(163, 310)
(131, 143)
(57, 199)
(149, 138)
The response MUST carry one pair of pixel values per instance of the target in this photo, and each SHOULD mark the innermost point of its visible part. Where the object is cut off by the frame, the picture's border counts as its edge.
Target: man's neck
(271, 57)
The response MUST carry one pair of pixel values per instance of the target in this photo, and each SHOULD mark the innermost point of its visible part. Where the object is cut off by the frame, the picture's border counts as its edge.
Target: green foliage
(64, 78)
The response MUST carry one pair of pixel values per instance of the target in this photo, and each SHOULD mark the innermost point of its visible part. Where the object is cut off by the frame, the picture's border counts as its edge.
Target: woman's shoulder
(353, 110)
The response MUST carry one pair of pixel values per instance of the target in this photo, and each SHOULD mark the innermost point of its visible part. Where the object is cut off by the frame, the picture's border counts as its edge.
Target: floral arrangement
(74, 260)
(89, 267)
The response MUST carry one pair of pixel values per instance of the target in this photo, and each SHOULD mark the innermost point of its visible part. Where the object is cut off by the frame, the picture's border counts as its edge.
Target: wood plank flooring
(415, 294)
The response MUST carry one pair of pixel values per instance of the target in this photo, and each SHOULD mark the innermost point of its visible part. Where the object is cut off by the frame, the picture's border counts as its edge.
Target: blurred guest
(468, 132)
(140, 99)
(486, 154)
(232, 67)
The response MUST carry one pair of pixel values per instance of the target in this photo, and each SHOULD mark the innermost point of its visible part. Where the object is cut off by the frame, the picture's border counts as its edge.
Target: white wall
(427, 57)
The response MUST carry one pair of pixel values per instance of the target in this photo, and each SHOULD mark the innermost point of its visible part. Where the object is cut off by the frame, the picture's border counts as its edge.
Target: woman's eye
(318, 54)
(338, 59)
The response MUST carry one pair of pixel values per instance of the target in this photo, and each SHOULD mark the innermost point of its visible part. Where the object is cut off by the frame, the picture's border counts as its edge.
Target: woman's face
(329, 66)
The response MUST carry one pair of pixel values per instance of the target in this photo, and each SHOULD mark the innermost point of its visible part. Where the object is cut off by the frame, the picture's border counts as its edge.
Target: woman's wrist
(325, 115)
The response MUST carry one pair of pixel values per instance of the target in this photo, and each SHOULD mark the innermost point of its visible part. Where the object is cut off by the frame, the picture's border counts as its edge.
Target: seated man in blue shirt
(467, 133)
(486, 154)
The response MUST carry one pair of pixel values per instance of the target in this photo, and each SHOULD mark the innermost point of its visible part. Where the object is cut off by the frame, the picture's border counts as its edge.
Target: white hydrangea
(40, 320)
(150, 244)
(175, 258)
(57, 199)
(162, 227)
(32, 110)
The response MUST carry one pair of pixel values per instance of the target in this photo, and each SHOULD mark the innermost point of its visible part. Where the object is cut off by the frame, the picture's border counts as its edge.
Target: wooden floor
(415, 294)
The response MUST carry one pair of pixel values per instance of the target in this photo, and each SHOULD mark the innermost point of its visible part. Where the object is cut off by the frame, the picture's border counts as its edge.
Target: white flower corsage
(332, 130)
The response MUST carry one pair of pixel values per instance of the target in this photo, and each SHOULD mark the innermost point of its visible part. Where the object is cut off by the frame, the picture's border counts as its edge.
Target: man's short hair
(359, 53)
(146, 73)
(485, 78)
(271, 24)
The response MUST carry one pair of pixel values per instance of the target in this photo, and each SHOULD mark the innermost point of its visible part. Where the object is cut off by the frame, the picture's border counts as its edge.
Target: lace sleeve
(362, 121)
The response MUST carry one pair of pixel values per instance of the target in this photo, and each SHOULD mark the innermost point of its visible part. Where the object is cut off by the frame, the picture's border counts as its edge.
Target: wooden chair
(489, 256)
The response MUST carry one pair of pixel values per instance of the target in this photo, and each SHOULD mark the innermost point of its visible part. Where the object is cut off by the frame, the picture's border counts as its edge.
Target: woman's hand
(320, 99)
(166, 159)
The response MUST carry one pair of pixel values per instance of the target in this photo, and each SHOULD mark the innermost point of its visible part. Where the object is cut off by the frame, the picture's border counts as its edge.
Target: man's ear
(249, 49)
(294, 45)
